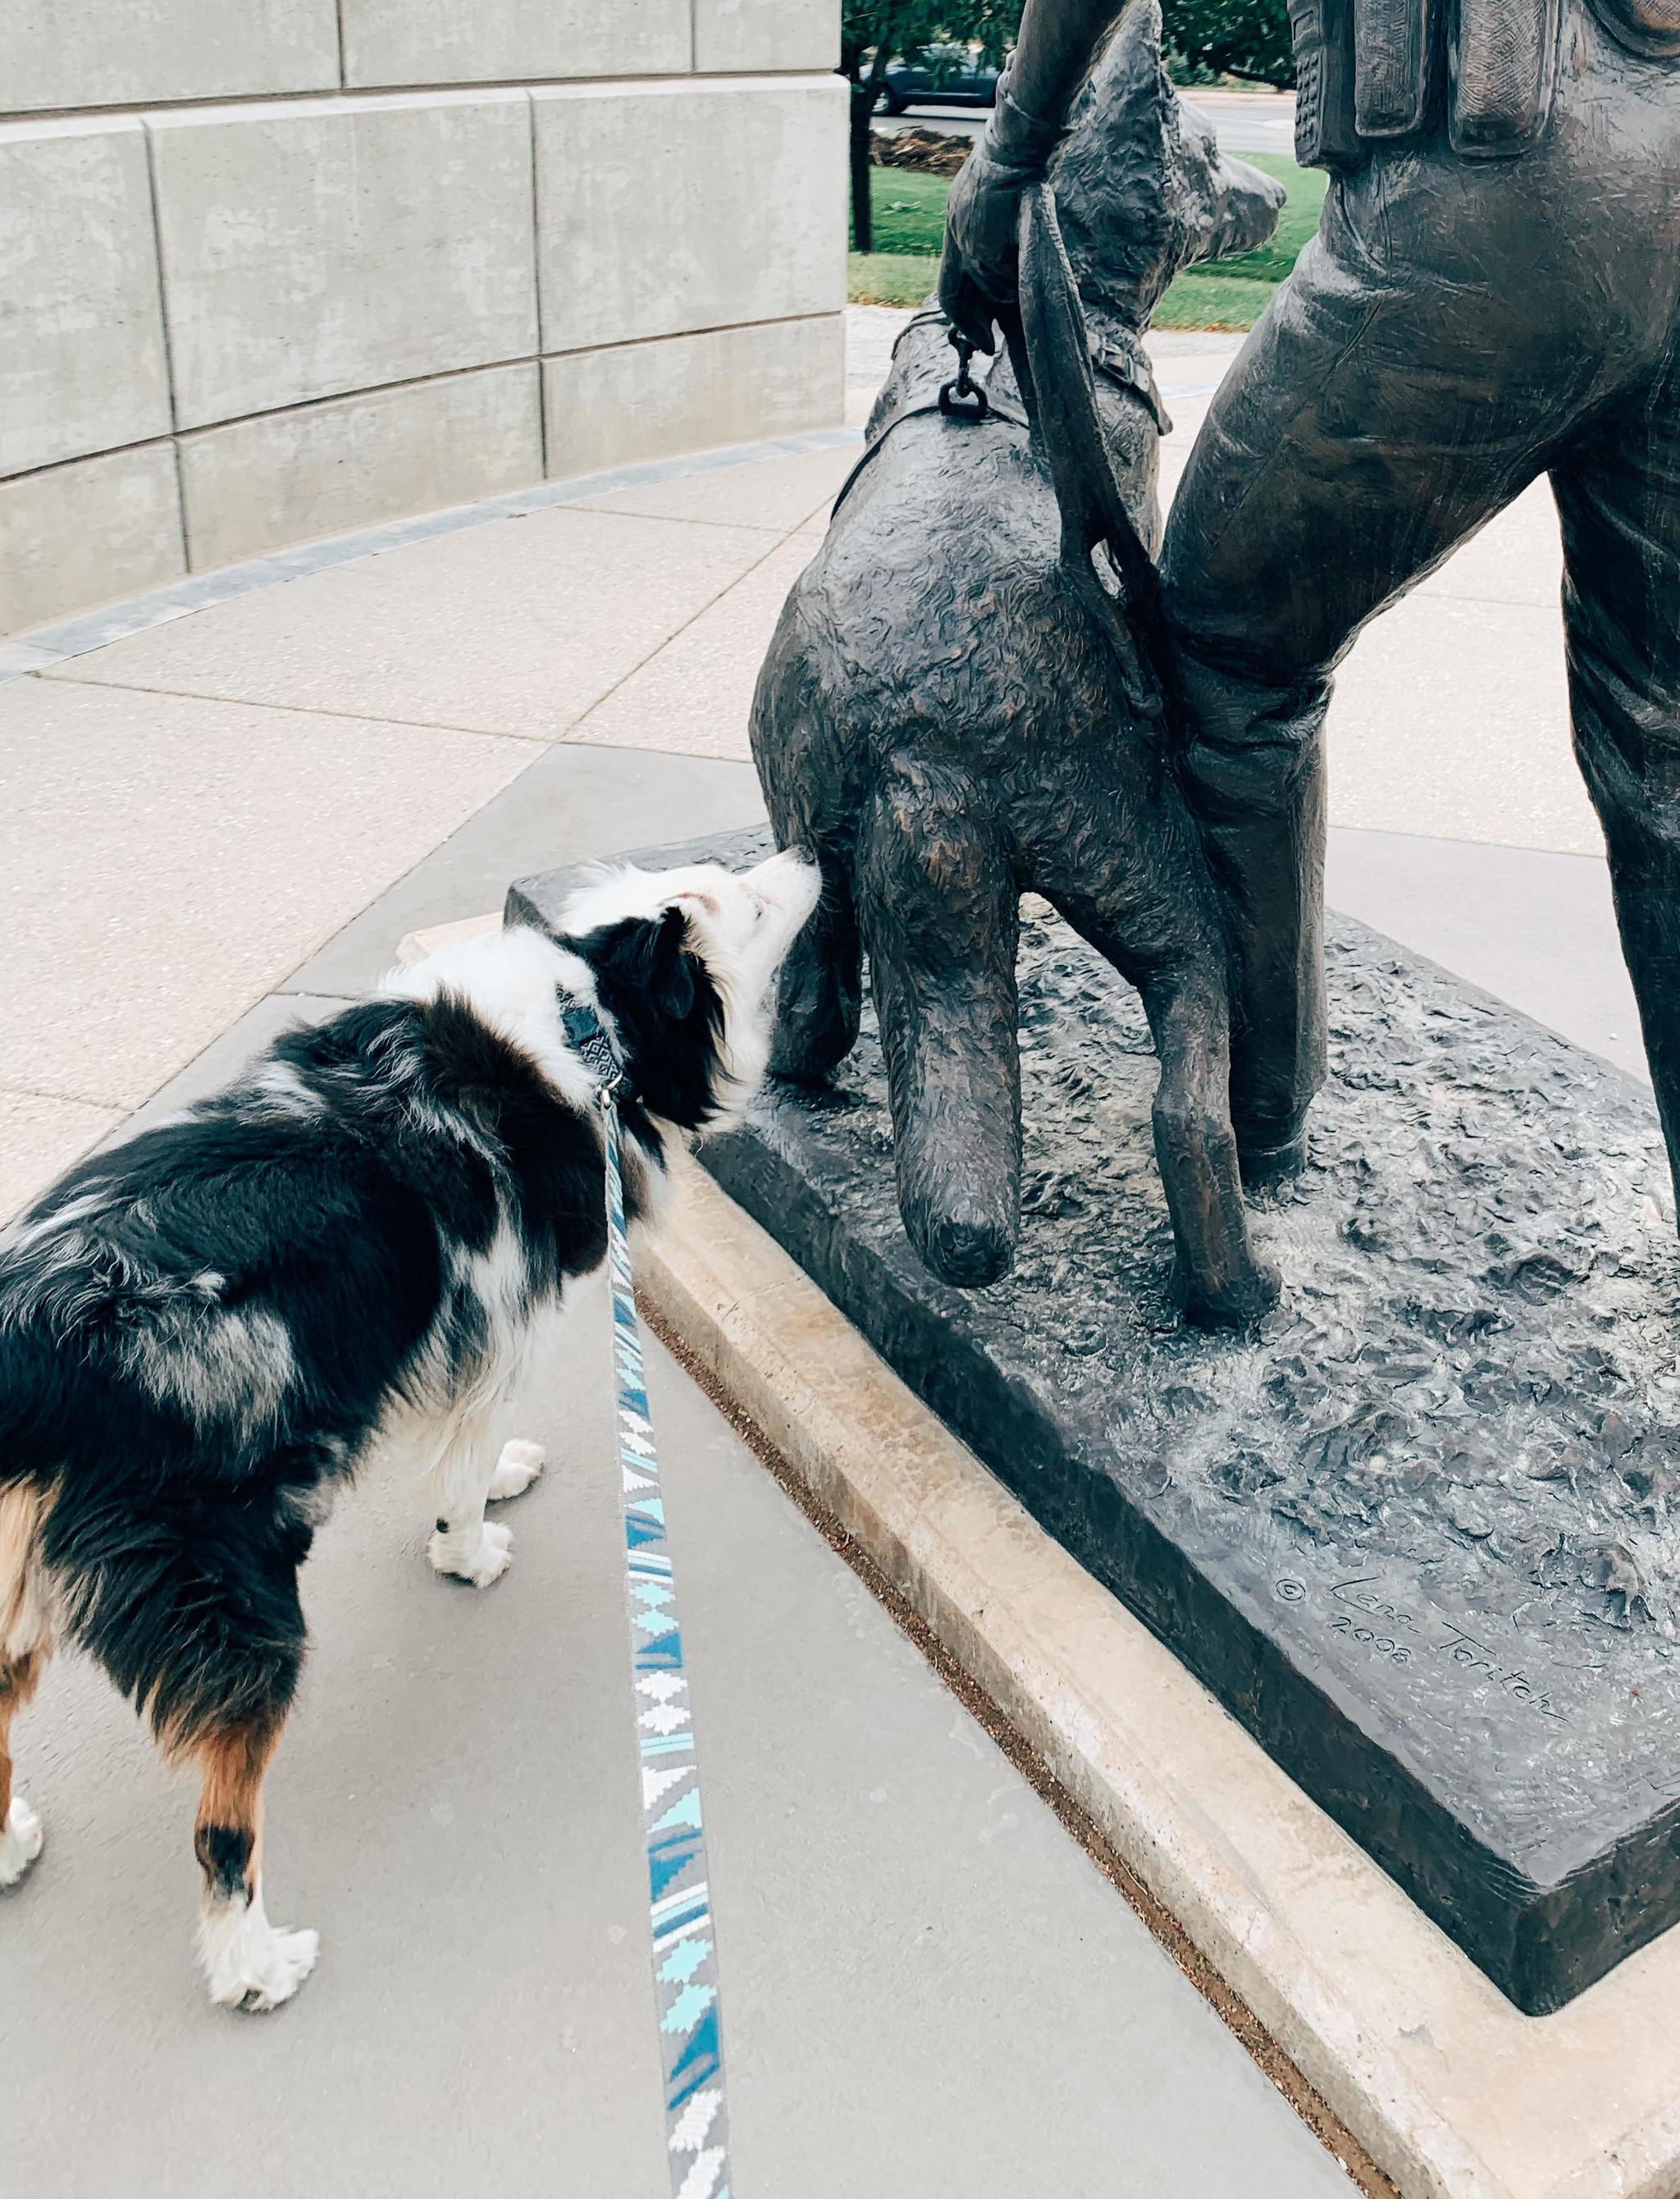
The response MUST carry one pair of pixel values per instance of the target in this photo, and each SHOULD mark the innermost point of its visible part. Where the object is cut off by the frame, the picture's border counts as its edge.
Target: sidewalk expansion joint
(47, 647)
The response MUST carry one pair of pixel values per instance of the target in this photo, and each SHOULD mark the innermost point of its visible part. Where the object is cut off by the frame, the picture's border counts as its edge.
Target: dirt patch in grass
(924, 151)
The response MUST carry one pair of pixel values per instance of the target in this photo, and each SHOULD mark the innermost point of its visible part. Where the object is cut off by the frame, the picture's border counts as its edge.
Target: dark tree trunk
(863, 221)
(866, 84)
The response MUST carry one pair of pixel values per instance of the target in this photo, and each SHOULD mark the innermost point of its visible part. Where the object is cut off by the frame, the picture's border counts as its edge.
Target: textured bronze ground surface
(1419, 1530)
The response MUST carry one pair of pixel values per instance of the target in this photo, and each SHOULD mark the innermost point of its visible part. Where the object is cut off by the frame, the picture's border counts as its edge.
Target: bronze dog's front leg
(1219, 1275)
(939, 908)
(802, 770)
(821, 988)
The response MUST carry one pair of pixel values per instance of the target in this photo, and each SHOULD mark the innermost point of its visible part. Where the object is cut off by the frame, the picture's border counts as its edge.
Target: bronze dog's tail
(1068, 428)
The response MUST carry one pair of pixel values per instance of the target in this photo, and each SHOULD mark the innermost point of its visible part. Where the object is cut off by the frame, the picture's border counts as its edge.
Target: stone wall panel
(257, 485)
(124, 53)
(81, 359)
(402, 41)
(312, 249)
(664, 208)
(652, 400)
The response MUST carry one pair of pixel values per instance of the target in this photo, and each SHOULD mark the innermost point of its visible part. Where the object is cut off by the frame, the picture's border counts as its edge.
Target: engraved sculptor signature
(1388, 1630)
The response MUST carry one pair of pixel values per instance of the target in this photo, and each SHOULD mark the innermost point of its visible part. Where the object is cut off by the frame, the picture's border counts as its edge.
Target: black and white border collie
(205, 1330)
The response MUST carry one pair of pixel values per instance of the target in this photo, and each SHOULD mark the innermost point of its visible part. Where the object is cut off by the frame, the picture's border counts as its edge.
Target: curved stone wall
(275, 269)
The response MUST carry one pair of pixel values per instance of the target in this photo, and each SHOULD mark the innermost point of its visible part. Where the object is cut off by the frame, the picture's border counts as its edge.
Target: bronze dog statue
(963, 702)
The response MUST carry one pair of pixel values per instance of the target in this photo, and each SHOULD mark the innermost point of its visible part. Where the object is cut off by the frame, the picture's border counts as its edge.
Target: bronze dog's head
(1140, 186)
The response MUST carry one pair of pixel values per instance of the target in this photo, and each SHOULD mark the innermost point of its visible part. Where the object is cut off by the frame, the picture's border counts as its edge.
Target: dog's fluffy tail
(1069, 430)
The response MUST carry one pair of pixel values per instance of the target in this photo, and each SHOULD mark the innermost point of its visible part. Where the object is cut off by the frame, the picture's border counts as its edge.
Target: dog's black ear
(648, 957)
(671, 975)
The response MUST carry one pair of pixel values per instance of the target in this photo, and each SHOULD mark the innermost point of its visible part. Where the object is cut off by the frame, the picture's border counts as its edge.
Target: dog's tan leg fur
(227, 1836)
(248, 1964)
(20, 1676)
(26, 1643)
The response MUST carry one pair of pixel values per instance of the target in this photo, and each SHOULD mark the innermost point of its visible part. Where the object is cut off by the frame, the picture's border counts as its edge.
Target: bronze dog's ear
(1140, 181)
(1111, 173)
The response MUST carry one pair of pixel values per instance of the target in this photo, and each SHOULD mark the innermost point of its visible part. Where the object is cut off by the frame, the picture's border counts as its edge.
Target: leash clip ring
(962, 398)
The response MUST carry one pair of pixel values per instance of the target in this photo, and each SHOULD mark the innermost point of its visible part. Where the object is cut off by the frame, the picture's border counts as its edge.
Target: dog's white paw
(249, 1963)
(480, 1554)
(270, 1975)
(518, 1467)
(20, 1841)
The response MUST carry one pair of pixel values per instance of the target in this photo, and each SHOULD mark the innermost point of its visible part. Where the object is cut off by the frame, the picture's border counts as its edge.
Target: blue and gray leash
(684, 1941)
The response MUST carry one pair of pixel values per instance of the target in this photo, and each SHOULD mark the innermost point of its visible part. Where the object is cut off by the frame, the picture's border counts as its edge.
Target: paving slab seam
(67, 1099)
(692, 519)
(125, 1110)
(60, 679)
(44, 647)
(1450, 840)
(1449, 2088)
(575, 733)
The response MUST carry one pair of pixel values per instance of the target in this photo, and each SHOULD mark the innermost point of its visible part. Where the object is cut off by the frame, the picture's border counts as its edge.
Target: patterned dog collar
(591, 1041)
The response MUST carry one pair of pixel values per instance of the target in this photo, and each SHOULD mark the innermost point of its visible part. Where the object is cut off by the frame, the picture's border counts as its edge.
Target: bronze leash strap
(954, 402)
(1128, 371)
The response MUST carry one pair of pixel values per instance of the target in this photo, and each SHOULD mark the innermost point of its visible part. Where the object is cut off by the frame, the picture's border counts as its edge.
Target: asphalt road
(1246, 121)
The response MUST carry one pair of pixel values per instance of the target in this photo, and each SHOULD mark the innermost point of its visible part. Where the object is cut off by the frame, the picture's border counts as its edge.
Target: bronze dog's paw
(1237, 1305)
(1271, 1165)
(965, 1244)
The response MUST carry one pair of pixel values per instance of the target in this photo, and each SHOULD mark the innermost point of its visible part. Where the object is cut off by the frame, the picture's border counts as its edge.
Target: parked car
(939, 76)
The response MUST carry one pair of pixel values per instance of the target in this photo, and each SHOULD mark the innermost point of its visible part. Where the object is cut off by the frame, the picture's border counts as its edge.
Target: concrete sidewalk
(231, 819)
(929, 1990)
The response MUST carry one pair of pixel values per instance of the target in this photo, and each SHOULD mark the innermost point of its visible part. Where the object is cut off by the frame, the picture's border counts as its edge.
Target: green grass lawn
(890, 278)
(909, 218)
(909, 211)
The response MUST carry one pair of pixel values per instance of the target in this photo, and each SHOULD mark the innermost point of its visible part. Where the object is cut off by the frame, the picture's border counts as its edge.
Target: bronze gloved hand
(977, 273)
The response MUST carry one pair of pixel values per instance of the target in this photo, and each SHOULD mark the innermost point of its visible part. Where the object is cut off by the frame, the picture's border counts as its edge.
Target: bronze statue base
(1414, 1531)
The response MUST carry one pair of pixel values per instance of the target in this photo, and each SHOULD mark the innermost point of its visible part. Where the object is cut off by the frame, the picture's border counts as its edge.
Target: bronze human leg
(1619, 497)
(1376, 418)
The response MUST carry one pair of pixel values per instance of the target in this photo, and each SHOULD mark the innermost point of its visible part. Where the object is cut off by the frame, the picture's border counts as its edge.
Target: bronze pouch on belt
(1367, 70)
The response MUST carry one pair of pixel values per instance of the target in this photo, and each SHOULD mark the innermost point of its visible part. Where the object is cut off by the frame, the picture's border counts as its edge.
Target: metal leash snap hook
(962, 398)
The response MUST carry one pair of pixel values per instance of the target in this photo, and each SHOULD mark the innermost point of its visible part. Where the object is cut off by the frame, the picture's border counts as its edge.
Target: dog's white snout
(792, 880)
